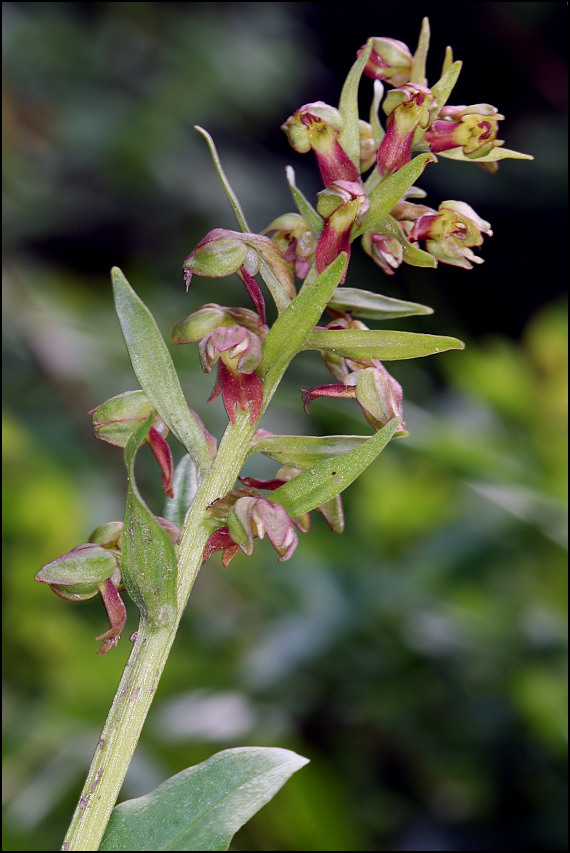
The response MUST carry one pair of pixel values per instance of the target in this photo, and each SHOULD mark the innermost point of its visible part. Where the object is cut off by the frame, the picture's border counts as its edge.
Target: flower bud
(295, 240)
(252, 517)
(108, 535)
(223, 252)
(220, 253)
(390, 60)
(78, 575)
(379, 395)
(385, 250)
(342, 204)
(408, 108)
(115, 420)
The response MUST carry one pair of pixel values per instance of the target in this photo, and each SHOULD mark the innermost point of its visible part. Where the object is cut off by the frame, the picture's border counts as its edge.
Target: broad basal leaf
(202, 807)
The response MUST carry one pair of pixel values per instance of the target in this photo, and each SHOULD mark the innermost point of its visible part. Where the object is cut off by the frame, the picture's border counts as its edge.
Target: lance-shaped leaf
(148, 559)
(385, 195)
(312, 217)
(232, 197)
(349, 136)
(303, 451)
(492, 157)
(374, 306)
(444, 86)
(290, 329)
(321, 482)
(155, 370)
(418, 72)
(202, 807)
(380, 344)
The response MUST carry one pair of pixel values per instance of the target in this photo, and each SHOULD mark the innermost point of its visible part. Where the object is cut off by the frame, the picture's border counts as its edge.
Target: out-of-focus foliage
(419, 659)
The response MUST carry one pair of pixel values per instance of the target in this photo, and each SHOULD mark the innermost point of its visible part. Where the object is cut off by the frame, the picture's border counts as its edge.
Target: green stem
(149, 655)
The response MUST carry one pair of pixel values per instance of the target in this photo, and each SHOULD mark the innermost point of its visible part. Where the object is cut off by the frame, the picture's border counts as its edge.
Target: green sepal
(289, 331)
(115, 420)
(313, 219)
(303, 451)
(202, 807)
(374, 306)
(148, 558)
(78, 574)
(107, 535)
(386, 195)
(349, 136)
(316, 485)
(155, 370)
(383, 345)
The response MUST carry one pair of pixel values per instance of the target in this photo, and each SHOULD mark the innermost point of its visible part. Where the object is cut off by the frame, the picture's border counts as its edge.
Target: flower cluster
(368, 171)
(418, 119)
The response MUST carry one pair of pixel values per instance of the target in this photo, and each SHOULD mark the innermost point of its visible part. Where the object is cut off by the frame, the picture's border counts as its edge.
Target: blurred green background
(418, 660)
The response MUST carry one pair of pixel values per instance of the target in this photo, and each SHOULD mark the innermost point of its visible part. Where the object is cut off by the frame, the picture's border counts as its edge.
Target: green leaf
(381, 344)
(303, 451)
(388, 192)
(232, 198)
(148, 559)
(418, 71)
(492, 157)
(444, 86)
(374, 306)
(349, 137)
(202, 807)
(289, 331)
(155, 370)
(321, 482)
(313, 219)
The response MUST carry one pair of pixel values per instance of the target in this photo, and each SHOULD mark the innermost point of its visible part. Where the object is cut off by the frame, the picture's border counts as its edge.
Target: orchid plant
(369, 170)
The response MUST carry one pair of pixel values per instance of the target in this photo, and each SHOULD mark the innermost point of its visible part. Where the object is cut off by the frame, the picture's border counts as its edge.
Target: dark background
(419, 660)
